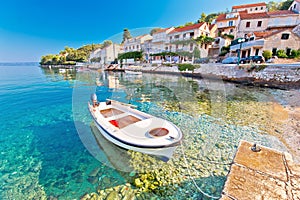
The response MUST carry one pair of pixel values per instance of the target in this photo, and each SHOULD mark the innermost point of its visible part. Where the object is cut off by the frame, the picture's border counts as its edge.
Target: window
(170, 37)
(256, 8)
(137, 46)
(176, 46)
(250, 9)
(295, 6)
(184, 35)
(166, 48)
(192, 34)
(259, 23)
(256, 52)
(205, 46)
(261, 8)
(285, 36)
(176, 36)
(274, 50)
(191, 47)
(247, 24)
(288, 51)
(230, 23)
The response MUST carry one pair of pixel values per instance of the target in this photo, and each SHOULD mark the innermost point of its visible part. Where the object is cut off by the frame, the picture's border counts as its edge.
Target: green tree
(281, 54)
(126, 35)
(295, 53)
(154, 30)
(196, 53)
(188, 23)
(267, 54)
(209, 18)
(202, 18)
(272, 5)
(107, 43)
(285, 4)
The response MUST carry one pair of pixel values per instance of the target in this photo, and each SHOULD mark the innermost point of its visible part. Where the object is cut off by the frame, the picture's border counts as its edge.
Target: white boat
(133, 72)
(132, 129)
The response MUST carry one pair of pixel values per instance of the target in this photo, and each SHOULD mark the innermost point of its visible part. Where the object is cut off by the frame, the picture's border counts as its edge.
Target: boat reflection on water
(117, 156)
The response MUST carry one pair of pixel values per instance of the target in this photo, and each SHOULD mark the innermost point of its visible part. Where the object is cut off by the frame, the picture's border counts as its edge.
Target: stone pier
(262, 174)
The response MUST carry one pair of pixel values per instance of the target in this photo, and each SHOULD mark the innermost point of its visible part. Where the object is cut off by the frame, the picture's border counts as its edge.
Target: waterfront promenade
(267, 75)
(265, 174)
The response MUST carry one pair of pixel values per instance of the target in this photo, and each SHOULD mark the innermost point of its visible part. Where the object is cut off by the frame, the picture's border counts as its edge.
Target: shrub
(186, 66)
(281, 54)
(295, 53)
(267, 54)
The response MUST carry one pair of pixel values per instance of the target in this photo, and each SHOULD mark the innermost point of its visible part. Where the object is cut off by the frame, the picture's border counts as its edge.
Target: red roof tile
(161, 30)
(298, 1)
(249, 5)
(245, 15)
(212, 26)
(221, 17)
(265, 34)
(186, 28)
(281, 12)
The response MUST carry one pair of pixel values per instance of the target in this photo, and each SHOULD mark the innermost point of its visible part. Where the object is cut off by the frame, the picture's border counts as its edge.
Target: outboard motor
(94, 99)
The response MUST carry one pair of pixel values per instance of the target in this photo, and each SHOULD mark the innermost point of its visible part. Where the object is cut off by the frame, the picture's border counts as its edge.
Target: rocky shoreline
(273, 76)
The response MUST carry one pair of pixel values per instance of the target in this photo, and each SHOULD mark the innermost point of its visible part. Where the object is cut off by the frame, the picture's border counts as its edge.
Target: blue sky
(32, 28)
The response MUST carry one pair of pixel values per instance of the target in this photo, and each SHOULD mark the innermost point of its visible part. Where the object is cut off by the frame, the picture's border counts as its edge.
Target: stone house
(110, 53)
(250, 22)
(159, 39)
(257, 42)
(251, 8)
(295, 6)
(181, 39)
(227, 23)
(135, 44)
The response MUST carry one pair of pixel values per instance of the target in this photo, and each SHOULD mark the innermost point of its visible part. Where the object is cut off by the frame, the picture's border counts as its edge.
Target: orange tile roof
(281, 12)
(211, 26)
(161, 30)
(221, 17)
(245, 15)
(186, 28)
(249, 5)
(265, 34)
(298, 1)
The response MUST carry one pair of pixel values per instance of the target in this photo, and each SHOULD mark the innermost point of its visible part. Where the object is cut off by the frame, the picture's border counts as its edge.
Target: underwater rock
(94, 172)
(113, 196)
(93, 180)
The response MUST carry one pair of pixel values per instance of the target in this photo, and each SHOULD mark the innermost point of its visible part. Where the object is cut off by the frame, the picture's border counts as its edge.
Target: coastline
(272, 76)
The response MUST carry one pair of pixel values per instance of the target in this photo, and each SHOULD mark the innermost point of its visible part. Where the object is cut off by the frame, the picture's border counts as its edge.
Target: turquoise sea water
(46, 148)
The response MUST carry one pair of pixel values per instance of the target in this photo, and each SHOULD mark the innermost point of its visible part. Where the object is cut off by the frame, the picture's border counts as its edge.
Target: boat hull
(163, 153)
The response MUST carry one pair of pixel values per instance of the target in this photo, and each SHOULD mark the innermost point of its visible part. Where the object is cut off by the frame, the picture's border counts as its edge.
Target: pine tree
(126, 35)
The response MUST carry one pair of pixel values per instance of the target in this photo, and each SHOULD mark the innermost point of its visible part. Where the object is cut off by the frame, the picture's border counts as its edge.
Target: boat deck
(110, 112)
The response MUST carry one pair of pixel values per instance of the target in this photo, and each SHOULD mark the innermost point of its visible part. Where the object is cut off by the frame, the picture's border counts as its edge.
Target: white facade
(135, 44)
(251, 8)
(295, 7)
(283, 20)
(185, 34)
(110, 53)
(95, 54)
(159, 40)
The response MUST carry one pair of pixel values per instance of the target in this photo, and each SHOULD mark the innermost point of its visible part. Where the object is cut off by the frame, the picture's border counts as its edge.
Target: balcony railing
(249, 44)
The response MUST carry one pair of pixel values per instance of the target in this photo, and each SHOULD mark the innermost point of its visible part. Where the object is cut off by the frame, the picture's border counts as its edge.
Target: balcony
(247, 45)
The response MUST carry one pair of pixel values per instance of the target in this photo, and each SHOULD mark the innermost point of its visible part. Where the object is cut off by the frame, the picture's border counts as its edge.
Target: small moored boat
(132, 129)
(133, 72)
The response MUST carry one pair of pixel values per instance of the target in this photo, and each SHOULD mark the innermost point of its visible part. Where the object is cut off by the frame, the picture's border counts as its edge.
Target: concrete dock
(262, 173)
